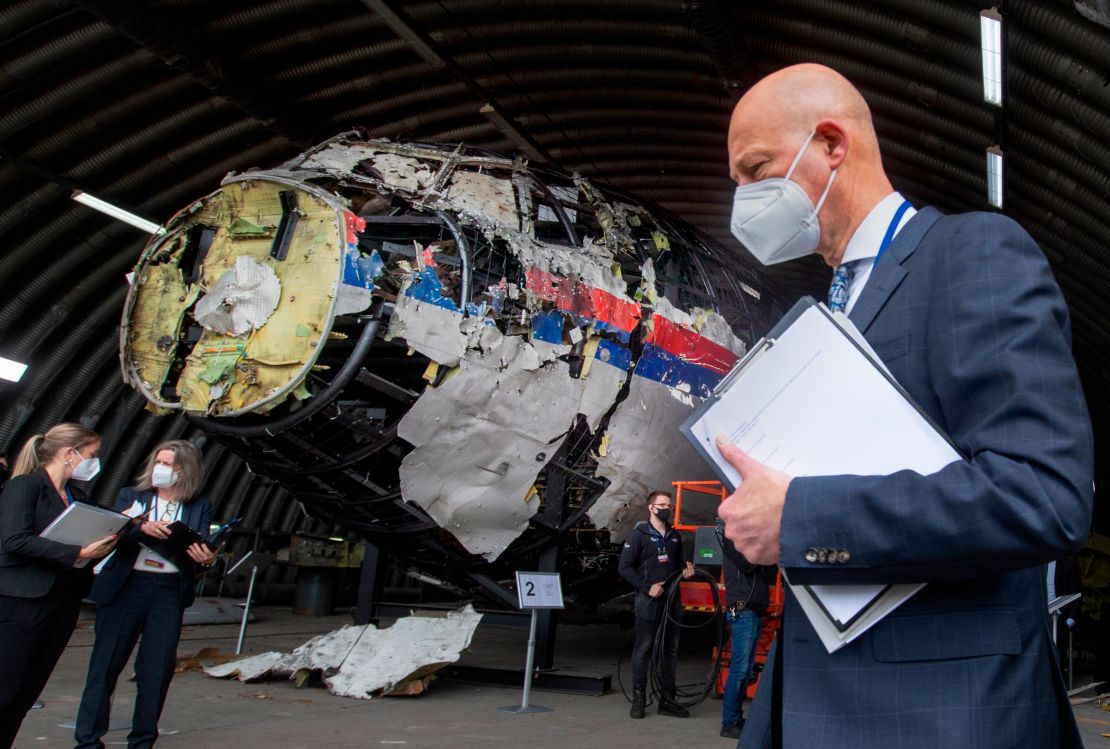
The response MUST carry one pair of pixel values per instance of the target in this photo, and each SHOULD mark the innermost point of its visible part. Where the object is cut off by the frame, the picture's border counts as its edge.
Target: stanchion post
(535, 591)
(246, 611)
(257, 561)
(530, 661)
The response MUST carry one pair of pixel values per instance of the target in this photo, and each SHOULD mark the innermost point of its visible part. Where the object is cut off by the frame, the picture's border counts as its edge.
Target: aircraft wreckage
(461, 357)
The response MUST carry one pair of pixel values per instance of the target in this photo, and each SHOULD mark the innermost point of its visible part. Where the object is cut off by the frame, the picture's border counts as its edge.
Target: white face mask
(163, 476)
(775, 219)
(86, 468)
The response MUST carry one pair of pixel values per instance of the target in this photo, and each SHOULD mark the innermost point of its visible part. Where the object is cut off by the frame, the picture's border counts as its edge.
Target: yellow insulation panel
(224, 373)
(156, 320)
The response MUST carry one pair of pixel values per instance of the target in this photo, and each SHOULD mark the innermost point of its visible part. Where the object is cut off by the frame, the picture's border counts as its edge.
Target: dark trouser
(33, 634)
(649, 615)
(149, 604)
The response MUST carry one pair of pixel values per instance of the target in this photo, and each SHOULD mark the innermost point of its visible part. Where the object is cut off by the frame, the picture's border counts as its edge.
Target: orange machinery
(697, 596)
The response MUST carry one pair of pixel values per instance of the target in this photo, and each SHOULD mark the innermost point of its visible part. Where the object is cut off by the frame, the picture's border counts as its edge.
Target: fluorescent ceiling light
(11, 370)
(990, 31)
(994, 176)
(116, 212)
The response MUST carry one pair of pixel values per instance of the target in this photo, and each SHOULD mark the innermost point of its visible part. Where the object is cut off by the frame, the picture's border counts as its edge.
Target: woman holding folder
(40, 585)
(142, 595)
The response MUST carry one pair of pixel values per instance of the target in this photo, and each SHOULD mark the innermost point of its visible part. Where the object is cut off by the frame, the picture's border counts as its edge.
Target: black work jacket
(640, 562)
(745, 582)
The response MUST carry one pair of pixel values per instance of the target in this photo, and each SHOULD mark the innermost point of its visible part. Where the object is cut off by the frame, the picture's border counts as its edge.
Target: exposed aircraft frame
(468, 359)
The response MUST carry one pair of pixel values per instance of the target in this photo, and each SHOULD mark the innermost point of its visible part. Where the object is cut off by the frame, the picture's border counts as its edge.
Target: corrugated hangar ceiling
(149, 103)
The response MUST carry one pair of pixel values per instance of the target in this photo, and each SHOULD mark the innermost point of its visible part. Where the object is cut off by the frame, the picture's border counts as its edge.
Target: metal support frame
(550, 560)
(369, 586)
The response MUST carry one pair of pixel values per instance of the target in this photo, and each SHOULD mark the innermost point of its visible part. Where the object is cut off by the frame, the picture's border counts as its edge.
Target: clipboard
(763, 346)
(80, 524)
(174, 548)
(809, 357)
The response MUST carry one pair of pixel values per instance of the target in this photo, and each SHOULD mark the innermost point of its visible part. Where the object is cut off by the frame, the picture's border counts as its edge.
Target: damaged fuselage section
(457, 355)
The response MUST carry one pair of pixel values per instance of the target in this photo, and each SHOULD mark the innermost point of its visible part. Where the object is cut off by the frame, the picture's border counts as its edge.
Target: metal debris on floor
(364, 661)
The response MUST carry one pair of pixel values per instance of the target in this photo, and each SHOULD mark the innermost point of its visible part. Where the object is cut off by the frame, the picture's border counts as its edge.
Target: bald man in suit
(964, 311)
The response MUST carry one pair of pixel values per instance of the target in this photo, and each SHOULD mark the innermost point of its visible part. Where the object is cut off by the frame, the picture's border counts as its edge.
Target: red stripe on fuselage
(689, 346)
(577, 298)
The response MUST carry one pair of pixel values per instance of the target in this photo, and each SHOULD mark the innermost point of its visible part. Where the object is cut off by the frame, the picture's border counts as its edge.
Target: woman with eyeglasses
(141, 594)
(42, 581)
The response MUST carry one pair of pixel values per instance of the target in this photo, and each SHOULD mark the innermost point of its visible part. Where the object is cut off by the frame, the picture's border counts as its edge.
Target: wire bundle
(693, 694)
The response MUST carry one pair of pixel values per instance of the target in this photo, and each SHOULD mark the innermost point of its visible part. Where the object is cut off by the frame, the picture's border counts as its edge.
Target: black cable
(687, 696)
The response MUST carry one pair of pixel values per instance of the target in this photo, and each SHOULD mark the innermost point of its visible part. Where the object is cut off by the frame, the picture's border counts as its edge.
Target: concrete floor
(202, 712)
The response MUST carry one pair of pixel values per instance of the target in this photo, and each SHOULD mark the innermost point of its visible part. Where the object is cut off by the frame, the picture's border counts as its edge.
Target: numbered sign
(539, 590)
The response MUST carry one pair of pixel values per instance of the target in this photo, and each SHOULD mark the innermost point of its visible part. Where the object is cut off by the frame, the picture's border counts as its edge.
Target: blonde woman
(139, 593)
(40, 588)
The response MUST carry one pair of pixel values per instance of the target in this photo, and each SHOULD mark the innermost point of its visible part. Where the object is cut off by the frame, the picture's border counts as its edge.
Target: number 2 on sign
(530, 587)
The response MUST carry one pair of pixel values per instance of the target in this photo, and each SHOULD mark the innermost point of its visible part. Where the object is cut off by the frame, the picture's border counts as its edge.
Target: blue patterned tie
(841, 283)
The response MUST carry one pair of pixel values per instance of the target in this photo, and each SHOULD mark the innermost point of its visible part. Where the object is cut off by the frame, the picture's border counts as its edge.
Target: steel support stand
(529, 667)
(246, 611)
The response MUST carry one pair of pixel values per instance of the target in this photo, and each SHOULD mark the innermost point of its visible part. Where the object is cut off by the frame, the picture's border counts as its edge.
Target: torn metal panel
(158, 315)
(359, 271)
(482, 437)
(644, 451)
(241, 300)
(402, 172)
(429, 328)
(364, 661)
(484, 196)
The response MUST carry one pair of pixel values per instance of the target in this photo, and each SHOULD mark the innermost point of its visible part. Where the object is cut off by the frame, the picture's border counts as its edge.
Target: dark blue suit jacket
(196, 514)
(966, 314)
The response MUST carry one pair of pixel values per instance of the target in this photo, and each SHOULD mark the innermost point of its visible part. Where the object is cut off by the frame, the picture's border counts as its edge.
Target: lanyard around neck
(157, 514)
(890, 229)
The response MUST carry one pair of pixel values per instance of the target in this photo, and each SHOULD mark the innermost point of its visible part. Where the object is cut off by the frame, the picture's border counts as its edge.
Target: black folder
(174, 548)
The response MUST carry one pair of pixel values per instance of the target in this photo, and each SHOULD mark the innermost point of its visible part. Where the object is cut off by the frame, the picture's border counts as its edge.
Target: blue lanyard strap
(893, 227)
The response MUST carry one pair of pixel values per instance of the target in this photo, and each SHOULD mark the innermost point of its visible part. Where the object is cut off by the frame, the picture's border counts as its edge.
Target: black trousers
(649, 615)
(33, 635)
(148, 605)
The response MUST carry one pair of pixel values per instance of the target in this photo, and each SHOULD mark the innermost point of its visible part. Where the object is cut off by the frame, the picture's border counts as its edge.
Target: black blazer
(196, 514)
(29, 565)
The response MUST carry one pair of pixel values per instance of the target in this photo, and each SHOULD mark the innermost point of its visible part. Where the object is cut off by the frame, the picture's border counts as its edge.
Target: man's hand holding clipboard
(753, 513)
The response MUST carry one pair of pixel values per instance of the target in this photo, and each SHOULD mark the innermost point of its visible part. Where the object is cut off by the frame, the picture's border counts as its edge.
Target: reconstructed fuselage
(460, 357)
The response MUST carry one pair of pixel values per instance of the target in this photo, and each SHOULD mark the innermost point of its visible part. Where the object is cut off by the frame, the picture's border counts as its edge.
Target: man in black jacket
(652, 554)
(747, 593)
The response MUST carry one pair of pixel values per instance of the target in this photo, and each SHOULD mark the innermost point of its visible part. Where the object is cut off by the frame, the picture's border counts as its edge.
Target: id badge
(663, 558)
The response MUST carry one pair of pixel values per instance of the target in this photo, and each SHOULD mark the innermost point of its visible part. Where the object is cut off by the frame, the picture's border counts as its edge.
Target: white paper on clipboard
(815, 376)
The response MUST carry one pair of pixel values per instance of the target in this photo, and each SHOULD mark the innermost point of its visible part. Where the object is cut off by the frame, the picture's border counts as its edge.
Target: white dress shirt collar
(864, 244)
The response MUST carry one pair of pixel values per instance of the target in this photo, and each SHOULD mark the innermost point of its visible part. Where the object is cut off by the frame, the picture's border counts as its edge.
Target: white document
(81, 524)
(783, 405)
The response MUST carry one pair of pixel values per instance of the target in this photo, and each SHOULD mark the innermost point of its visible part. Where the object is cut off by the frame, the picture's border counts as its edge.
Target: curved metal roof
(149, 103)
